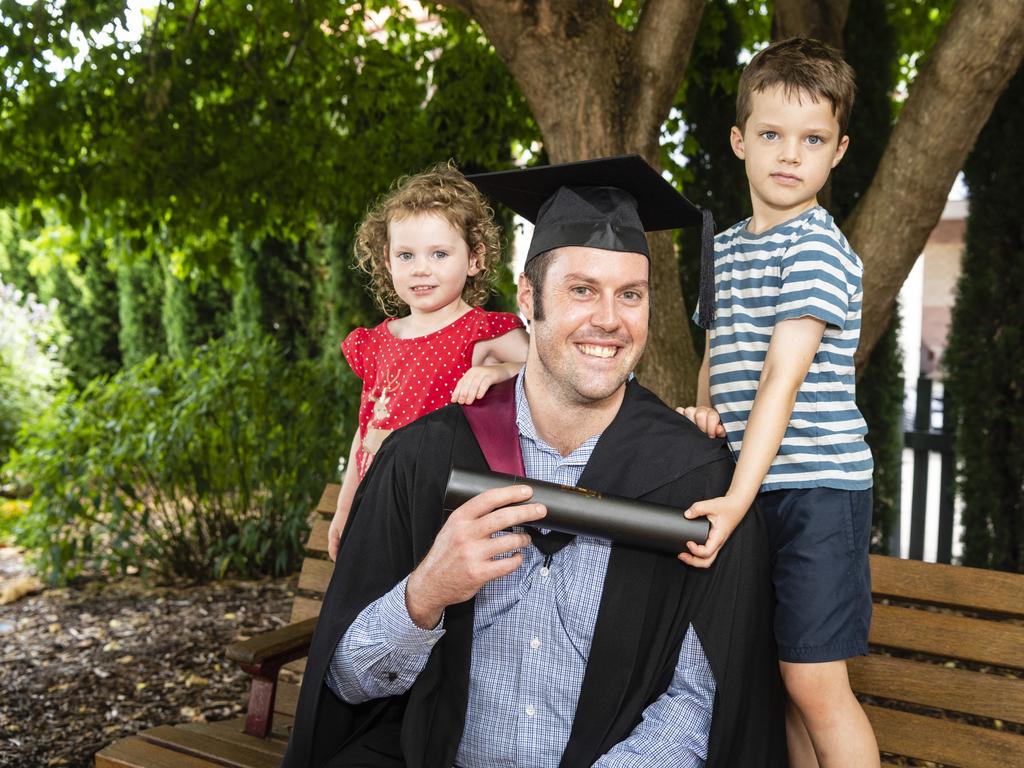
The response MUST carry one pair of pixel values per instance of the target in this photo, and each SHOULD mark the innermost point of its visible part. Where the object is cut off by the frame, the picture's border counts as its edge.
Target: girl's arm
(494, 361)
(348, 492)
(790, 354)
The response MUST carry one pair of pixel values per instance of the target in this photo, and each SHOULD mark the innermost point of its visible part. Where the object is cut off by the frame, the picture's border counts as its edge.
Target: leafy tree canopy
(262, 118)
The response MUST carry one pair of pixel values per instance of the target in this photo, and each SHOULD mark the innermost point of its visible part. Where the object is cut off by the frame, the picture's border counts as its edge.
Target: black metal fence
(926, 438)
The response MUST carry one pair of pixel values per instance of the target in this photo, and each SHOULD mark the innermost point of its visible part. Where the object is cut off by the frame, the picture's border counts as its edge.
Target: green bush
(195, 468)
(30, 371)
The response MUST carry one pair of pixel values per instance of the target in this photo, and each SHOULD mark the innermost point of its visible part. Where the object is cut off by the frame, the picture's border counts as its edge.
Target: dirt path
(82, 666)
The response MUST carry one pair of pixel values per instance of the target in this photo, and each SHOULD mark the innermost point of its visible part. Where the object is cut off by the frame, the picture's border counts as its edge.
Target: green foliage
(87, 295)
(880, 400)
(196, 468)
(140, 290)
(714, 178)
(194, 311)
(30, 369)
(11, 511)
(278, 297)
(14, 260)
(262, 119)
(985, 370)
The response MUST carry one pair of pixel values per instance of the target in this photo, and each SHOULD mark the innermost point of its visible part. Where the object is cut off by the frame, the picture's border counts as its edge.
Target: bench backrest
(945, 678)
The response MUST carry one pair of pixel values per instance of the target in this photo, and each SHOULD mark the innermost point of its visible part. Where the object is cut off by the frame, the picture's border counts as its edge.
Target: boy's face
(429, 261)
(789, 146)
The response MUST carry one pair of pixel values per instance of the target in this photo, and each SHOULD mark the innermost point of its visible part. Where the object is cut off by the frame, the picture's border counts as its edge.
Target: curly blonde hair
(443, 190)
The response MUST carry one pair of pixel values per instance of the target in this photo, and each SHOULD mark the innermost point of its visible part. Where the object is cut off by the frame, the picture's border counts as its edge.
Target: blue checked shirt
(532, 632)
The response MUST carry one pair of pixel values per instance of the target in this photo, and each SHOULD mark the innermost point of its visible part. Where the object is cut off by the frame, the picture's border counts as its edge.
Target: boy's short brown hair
(442, 190)
(800, 65)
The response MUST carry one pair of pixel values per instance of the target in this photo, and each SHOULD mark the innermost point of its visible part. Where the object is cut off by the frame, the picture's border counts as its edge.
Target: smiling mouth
(422, 288)
(597, 350)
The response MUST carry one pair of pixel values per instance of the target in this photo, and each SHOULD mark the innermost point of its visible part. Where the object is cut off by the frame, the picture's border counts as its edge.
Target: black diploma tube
(581, 511)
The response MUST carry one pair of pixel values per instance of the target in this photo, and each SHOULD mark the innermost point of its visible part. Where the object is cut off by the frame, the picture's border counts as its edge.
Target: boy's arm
(790, 354)
(348, 492)
(494, 361)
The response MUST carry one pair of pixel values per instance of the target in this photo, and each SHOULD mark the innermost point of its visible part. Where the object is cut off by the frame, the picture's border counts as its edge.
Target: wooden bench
(944, 682)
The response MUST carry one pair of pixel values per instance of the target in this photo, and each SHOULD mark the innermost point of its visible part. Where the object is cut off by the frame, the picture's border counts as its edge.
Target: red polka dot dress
(404, 379)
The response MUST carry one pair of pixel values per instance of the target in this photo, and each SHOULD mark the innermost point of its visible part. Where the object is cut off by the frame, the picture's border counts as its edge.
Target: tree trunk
(597, 89)
(951, 100)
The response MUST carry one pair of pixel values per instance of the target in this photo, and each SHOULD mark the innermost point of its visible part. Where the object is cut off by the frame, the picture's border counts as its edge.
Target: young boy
(778, 381)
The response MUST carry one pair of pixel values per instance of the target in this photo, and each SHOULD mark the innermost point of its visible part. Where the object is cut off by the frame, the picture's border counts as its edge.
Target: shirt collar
(528, 430)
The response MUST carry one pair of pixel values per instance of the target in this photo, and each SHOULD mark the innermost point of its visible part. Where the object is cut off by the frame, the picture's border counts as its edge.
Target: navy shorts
(819, 542)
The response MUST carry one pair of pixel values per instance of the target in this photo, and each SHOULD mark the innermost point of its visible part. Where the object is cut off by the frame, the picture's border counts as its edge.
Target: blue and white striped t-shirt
(803, 267)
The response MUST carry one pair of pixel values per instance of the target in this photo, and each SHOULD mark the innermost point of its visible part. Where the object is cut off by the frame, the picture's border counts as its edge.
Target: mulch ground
(85, 665)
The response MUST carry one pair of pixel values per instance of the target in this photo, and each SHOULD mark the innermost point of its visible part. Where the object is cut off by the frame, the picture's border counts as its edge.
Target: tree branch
(979, 51)
(660, 49)
(821, 19)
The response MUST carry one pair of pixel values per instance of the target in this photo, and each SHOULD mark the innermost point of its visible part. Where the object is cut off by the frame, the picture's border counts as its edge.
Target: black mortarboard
(606, 203)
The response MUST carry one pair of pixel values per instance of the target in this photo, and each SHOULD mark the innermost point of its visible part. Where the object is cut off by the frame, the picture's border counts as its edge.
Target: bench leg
(260, 717)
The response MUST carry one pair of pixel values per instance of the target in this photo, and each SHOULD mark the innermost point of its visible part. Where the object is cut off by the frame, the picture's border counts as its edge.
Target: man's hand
(707, 419)
(462, 557)
(476, 381)
(725, 514)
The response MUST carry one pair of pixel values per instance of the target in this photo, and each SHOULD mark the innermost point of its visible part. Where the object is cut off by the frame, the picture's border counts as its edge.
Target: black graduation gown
(647, 452)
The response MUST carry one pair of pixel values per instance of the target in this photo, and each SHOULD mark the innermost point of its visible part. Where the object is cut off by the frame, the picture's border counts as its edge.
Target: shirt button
(530, 710)
(544, 571)
(535, 643)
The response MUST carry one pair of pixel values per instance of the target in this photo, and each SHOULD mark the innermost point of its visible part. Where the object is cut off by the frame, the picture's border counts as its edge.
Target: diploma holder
(580, 511)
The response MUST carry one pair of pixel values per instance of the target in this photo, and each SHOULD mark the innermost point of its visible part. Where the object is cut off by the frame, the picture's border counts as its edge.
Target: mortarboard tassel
(706, 297)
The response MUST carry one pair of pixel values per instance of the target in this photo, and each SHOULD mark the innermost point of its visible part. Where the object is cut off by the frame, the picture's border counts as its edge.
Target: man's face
(596, 314)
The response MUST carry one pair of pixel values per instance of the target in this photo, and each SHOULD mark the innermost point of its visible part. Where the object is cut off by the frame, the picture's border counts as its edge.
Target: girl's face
(429, 262)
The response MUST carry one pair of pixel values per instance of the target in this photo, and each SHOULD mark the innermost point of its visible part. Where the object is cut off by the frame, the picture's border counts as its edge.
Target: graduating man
(457, 639)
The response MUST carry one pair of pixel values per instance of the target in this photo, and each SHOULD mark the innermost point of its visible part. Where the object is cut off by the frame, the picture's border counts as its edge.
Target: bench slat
(206, 746)
(329, 499)
(941, 634)
(955, 585)
(135, 752)
(933, 685)
(286, 700)
(317, 541)
(942, 741)
(231, 730)
(316, 575)
(304, 608)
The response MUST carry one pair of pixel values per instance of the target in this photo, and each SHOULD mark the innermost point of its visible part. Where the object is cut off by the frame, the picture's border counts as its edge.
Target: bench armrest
(262, 657)
(274, 648)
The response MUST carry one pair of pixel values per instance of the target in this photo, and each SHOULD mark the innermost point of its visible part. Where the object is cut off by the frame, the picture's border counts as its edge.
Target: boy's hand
(707, 419)
(725, 514)
(476, 381)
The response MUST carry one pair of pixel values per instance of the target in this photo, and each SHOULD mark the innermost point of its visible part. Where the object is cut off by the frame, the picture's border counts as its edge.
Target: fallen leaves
(100, 662)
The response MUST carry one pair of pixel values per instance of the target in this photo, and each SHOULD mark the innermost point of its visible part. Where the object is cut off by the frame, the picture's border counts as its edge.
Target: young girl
(430, 245)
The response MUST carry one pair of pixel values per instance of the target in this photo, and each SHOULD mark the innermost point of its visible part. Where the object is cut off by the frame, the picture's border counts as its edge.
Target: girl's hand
(337, 526)
(707, 419)
(476, 381)
(725, 514)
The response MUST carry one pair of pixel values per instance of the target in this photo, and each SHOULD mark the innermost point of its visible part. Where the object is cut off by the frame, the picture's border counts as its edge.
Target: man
(453, 640)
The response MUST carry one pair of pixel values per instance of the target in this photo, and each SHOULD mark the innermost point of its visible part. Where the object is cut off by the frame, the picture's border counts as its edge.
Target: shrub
(193, 468)
(30, 371)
